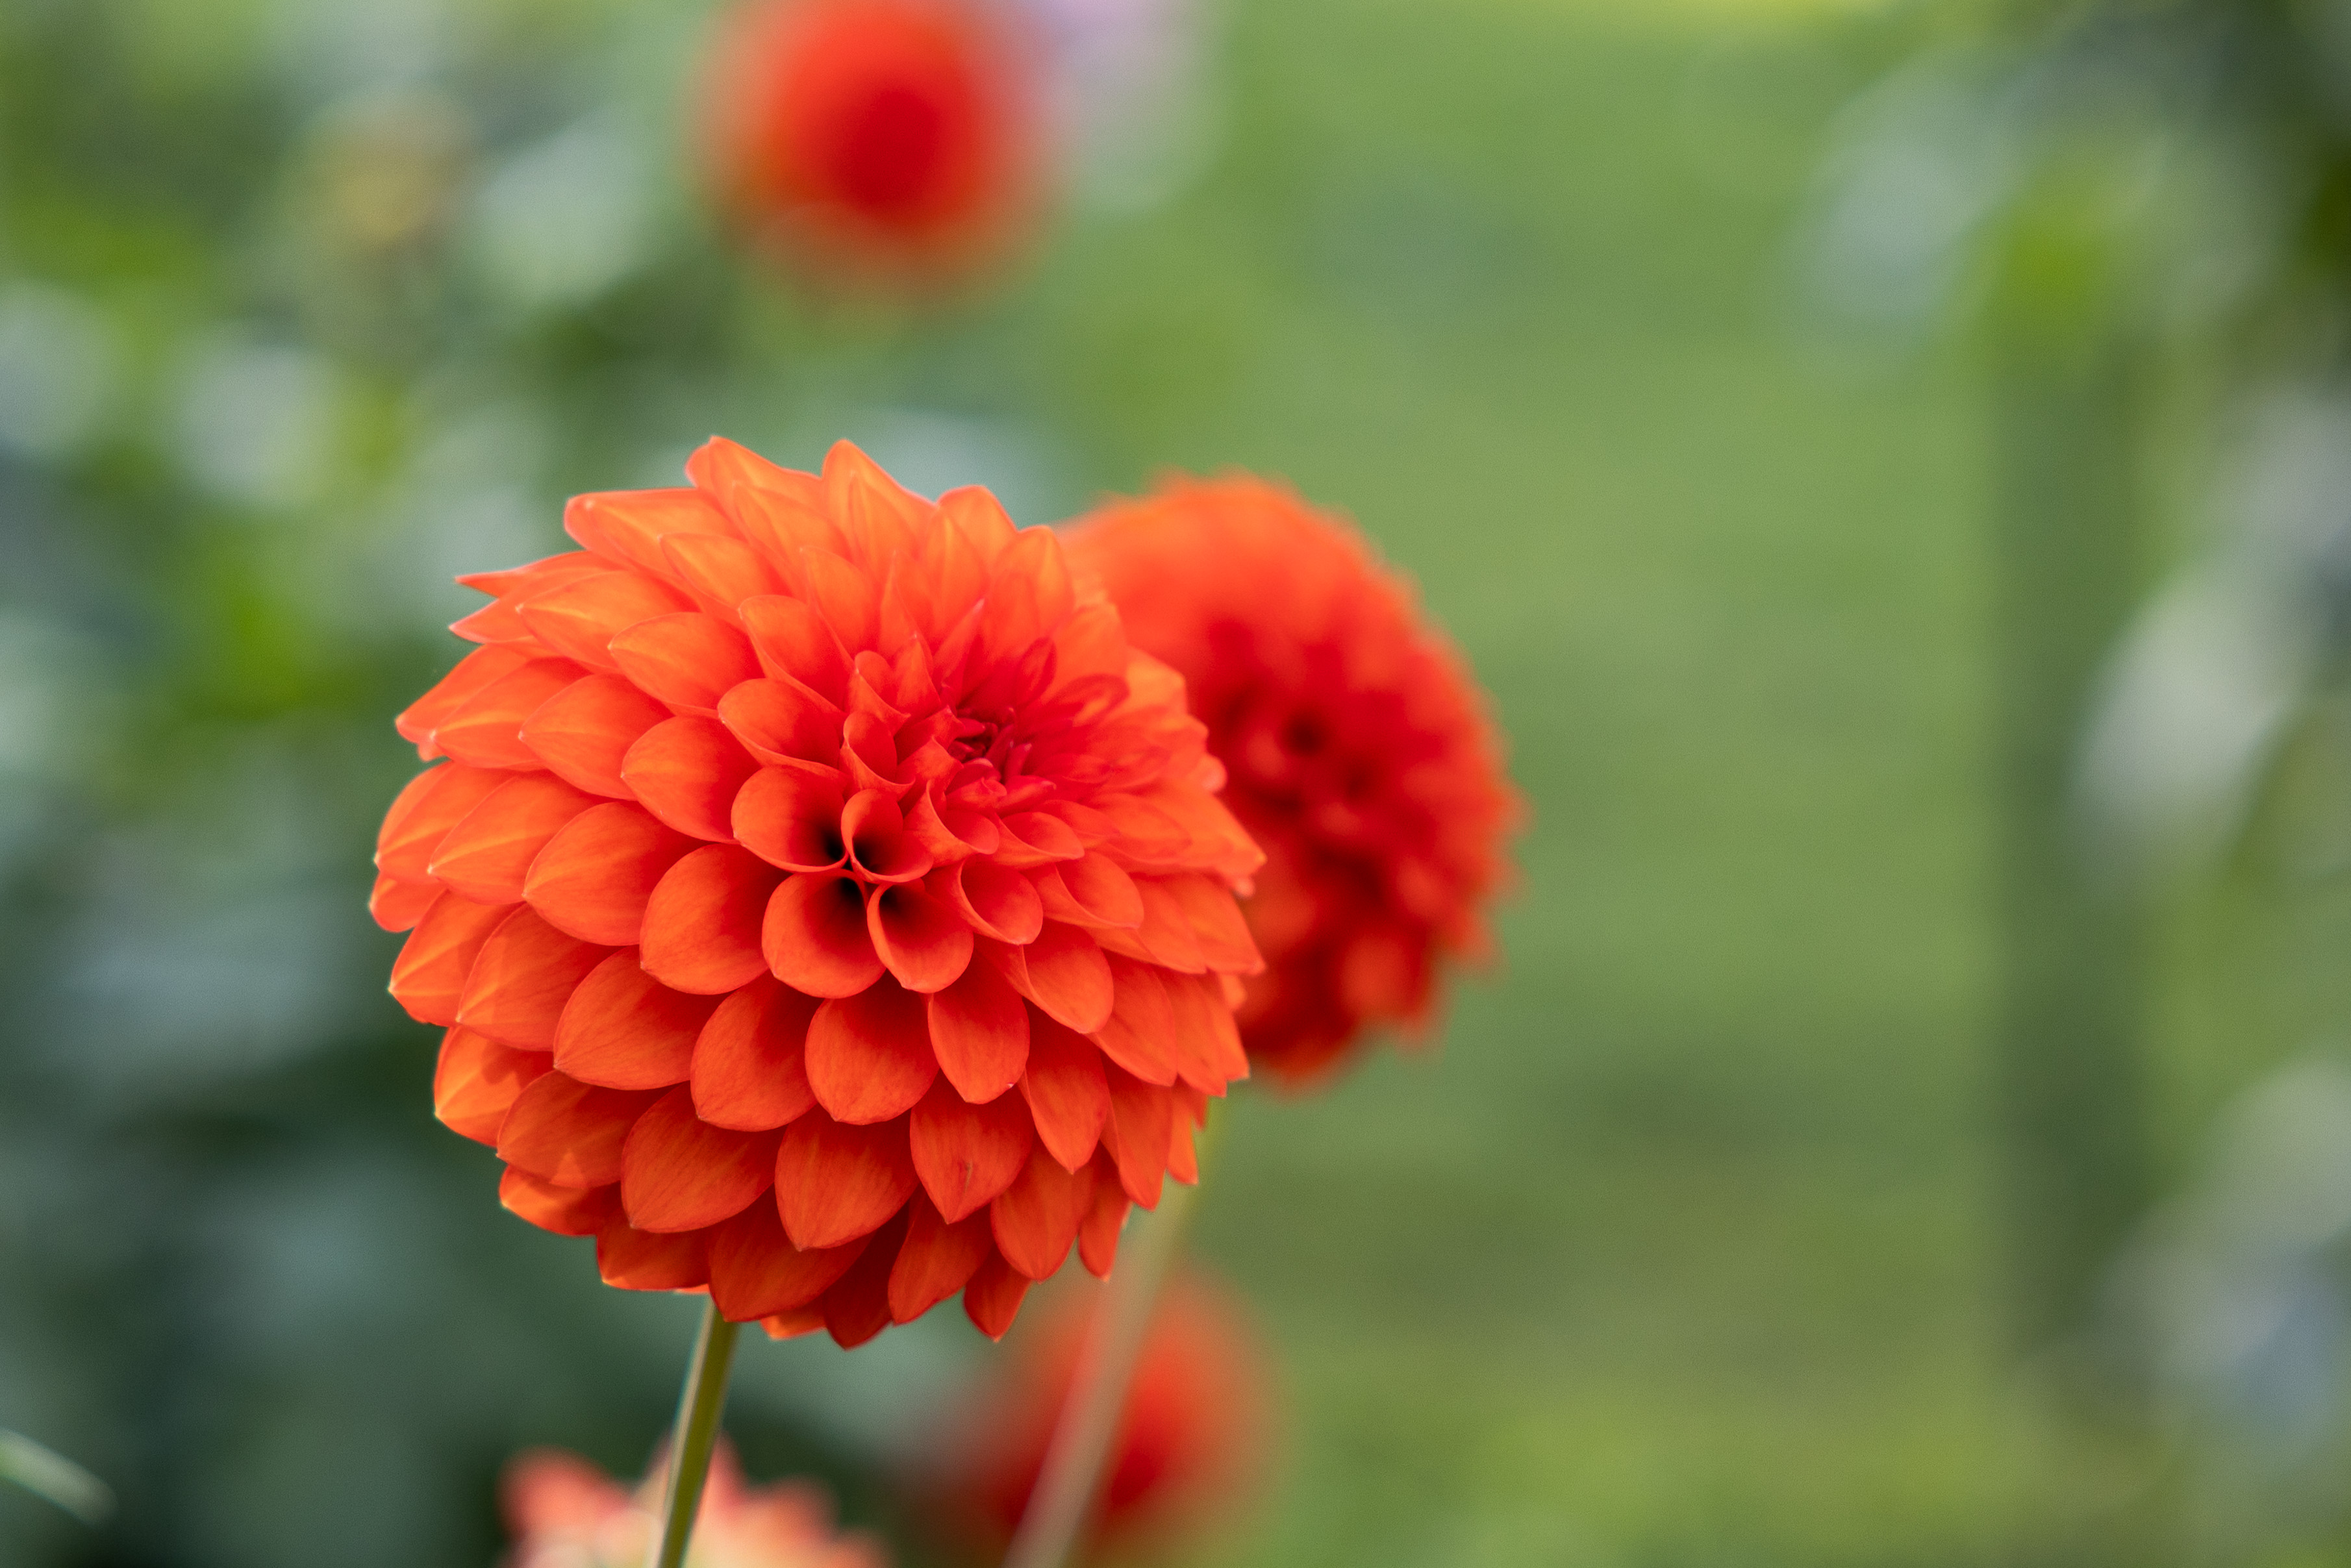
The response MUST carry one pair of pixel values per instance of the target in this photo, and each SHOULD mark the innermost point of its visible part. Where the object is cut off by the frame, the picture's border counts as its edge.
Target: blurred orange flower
(1194, 1432)
(564, 1512)
(787, 828)
(875, 140)
(1363, 758)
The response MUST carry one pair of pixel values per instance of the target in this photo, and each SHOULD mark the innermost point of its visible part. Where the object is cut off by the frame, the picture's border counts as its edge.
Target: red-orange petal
(680, 1173)
(782, 721)
(474, 673)
(428, 978)
(999, 901)
(566, 1211)
(835, 1183)
(815, 936)
(1140, 1033)
(584, 731)
(1166, 930)
(1067, 1092)
(594, 878)
(980, 1031)
(965, 1154)
(936, 1260)
(1036, 1220)
(687, 771)
(477, 1080)
(757, 1273)
(1098, 1237)
(992, 1299)
(845, 595)
(633, 1259)
(719, 571)
(879, 845)
(522, 978)
(1203, 1023)
(1091, 891)
(1069, 977)
(702, 924)
(750, 1065)
(922, 940)
(792, 640)
(622, 1029)
(397, 906)
(580, 618)
(792, 817)
(628, 525)
(433, 802)
(1142, 1117)
(569, 1133)
(869, 1056)
(688, 661)
(1215, 915)
(487, 855)
(487, 728)
(857, 1307)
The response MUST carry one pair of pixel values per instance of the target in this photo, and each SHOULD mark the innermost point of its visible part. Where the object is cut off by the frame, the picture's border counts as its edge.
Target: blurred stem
(690, 1447)
(1070, 1483)
(2069, 1061)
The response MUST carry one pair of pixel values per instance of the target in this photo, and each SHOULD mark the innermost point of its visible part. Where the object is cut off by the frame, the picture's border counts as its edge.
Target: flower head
(874, 140)
(1362, 756)
(1193, 1432)
(564, 1512)
(826, 904)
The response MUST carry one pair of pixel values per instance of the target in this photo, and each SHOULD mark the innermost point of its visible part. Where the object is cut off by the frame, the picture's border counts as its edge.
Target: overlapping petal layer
(1361, 753)
(828, 908)
(875, 140)
(564, 1512)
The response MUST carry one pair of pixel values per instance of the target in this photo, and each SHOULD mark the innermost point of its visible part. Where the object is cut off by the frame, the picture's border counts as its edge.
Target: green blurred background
(1700, 1240)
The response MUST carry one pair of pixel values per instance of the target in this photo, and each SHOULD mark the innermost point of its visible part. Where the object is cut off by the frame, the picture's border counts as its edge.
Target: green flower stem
(697, 1433)
(1071, 1481)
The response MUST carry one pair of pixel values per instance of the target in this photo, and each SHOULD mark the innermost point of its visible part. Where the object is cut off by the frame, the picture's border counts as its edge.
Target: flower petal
(923, 941)
(1098, 1237)
(434, 801)
(474, 673)
(992, 1299)
(750, 1068)
(857, 1307)
(1141, 1117)
(594, 878)
(702, 923)
(633, 1259)
(688, 661)
(622, 1029)
(486, 728)
(1140, 1033)
(1067, 1092)
(680, 1173)
(1092, 891)
(578, 619)
(936, 1260)
(566, 1211)
(397, 906)
(966, 1154)
(792, 640)
(1166, 930)
(627, 524)
(719, 571)
(584, 731)
(980, 1031)
(1035, 1221)
(687, 771)
(487, 855)
(477, 1080)
(999, 901)
(869, 1056)
(783, 722)
(835, 1183)
(790, 817)
(815, 936)
(1068, 977)
(1215, 915)
(521, 980)
(756, 1271)
(428, 978)
(1204, 1031)
(569, 1133)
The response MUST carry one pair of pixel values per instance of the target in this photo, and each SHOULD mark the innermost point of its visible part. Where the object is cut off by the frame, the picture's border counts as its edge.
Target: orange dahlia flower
(564, 1512)
(874, 140)
(1361, 756)
(1193, 1433)
(827, 906)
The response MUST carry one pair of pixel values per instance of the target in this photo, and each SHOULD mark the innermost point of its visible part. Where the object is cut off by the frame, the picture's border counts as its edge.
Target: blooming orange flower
(874, 139)
(787, 829)
(1362, 756)
(1193, 1432)
(564, 1512)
